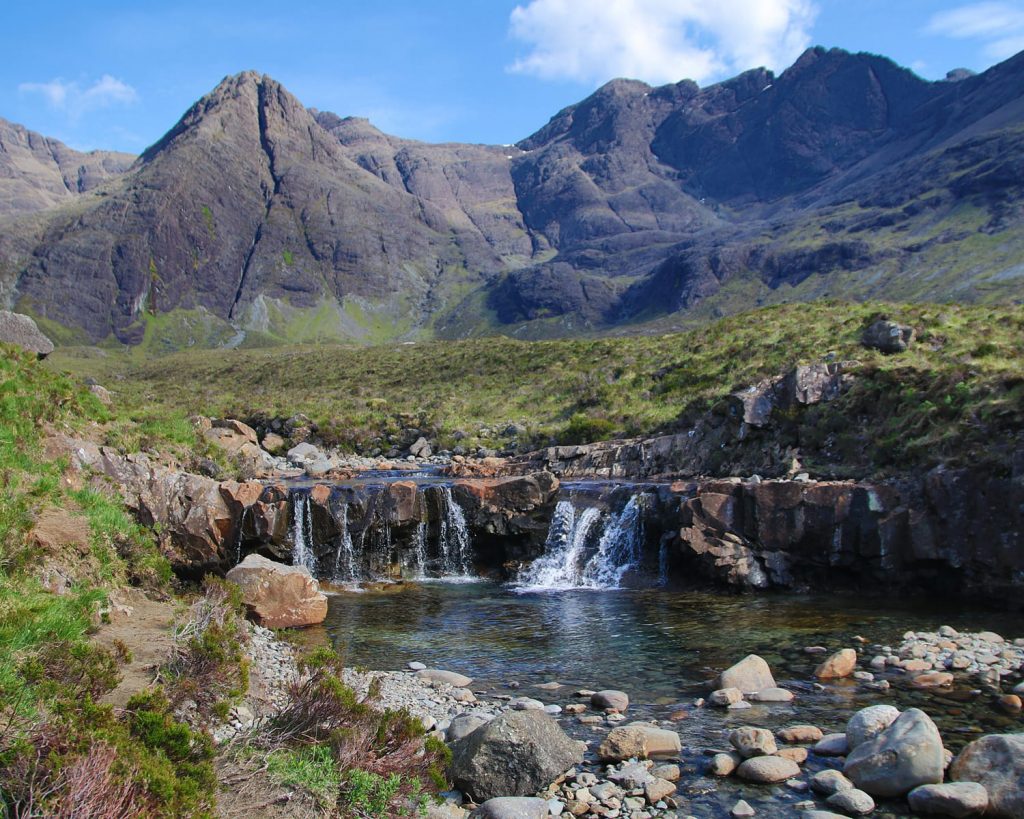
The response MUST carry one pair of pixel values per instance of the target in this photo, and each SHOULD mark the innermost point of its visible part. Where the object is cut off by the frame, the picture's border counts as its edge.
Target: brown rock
(279, 596)
(1010, 702)
(839, 665)
(798, 755)
(639, 740)
(935, 679)
(800, 733)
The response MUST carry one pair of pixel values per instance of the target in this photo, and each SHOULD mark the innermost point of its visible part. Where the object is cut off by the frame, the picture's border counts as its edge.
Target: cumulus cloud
(659, 40)
(75, 100)
(999, 27)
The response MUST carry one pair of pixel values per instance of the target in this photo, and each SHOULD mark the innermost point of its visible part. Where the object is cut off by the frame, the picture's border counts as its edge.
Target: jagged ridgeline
(256, 220)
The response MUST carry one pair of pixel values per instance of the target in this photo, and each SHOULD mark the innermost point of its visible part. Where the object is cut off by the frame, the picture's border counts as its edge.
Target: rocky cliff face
(845, 175)
(37, 172)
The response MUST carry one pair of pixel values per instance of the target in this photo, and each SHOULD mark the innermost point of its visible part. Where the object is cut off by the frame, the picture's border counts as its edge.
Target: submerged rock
(839, 665)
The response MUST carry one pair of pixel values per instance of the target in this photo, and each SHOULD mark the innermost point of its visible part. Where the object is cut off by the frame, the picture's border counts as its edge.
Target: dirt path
(146, 627)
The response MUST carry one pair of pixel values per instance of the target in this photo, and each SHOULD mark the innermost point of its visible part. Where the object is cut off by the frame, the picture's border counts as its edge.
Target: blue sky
(118, 74)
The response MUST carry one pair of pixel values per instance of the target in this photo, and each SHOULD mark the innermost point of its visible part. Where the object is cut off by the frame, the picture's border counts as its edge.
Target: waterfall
(453, 543)
(344, 553)
(302, 535)
(619, 549)
(420, 550)
(571, 559)
(561, 565)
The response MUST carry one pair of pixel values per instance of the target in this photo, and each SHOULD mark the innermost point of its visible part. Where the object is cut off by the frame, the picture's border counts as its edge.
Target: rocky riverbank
(559, 751)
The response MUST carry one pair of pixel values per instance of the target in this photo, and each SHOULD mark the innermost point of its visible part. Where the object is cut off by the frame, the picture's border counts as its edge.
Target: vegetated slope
(256, 220)
(957, 396)
(37, 172)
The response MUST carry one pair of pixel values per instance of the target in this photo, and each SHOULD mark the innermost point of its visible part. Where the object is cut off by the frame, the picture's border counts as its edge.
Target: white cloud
(659, 40)
(74, 100)
(999, 26)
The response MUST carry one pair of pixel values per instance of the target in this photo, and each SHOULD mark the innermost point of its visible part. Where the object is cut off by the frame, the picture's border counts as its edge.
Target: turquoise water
(664, 648)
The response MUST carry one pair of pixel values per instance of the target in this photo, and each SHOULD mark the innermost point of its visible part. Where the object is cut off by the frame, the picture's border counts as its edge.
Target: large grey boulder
(997, 762)
(21, 330)
(516, 754)
(906, 754)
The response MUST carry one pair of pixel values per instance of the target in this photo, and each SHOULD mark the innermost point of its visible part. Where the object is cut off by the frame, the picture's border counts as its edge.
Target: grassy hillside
(956, 396)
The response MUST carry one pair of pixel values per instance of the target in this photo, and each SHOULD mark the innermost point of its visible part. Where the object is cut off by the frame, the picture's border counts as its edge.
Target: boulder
(22, 331)
(905, 755)
(464, 724)
(421, 449)
(852, 802)
(274, 443)
(839, 665)
(749, 675)
(640, 741)
(830, 781)
(658, 789)
(724, 697)
(516, 754)
(956, 799)
(452, 678)
(300, 454)
(603, 700)
(767, 769)
(772, 695)
(868, 723)
(997, 762)
(753, 742)
(832, 745)
(723, 764)
(279, 596)
(512, 807)
(887, 337)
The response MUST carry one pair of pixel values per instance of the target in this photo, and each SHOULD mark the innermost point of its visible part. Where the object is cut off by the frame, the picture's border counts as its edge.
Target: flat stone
(512, 807)
(799, 733)
(742, 809)
(936, 679)
(658, 789)
(525, 704)
(416, 666)
(798, 755)
(955, 799)
(772, 695)
(852, 802)
(452, 678)
(767, 769)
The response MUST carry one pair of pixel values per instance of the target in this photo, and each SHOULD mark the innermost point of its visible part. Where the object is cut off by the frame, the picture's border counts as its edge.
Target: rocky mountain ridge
(257, 220)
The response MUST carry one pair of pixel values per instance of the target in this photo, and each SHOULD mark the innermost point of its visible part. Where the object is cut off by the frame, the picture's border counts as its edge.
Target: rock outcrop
(22, 331)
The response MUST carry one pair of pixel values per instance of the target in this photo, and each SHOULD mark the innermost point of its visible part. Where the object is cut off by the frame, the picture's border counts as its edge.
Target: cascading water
(453, 541)
(419, 552)
(572, 561)
(302, 535)
(619, 549)
(344, 553)
(561, 566)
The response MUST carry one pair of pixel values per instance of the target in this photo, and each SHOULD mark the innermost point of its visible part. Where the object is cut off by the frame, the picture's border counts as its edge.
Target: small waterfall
(572, 560)
(453, 543)
(302, 535)
(619, 549)
(344, 553)
(420, 550)
(561, 565)
(238, 537)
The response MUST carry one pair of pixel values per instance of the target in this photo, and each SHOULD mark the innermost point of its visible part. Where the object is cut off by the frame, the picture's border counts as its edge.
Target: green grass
(311, 767)
(905, 411)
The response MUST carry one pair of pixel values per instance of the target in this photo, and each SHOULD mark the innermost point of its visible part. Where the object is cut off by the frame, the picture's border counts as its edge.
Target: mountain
(37, 172)
(256, 220)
